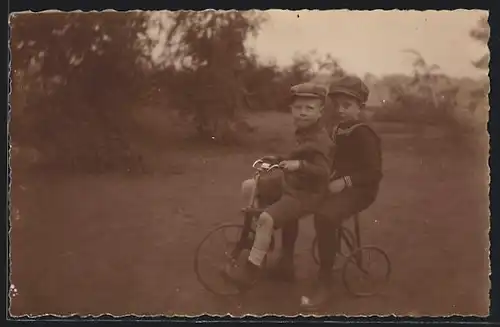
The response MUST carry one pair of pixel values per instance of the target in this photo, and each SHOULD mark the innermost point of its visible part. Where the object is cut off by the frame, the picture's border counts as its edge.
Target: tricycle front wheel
(226, 245)
(220, 247)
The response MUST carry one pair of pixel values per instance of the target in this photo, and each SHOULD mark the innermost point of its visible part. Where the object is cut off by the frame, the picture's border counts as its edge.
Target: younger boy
(306, 172)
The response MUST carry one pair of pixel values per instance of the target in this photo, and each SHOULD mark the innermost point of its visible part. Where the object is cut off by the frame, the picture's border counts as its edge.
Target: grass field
(123, 244)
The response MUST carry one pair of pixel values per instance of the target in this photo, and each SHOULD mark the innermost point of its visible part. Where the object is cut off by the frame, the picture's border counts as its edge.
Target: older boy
(305, 178)
(357, 172)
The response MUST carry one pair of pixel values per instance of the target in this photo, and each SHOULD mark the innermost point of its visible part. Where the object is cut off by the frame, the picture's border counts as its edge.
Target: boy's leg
(286, 209)
(330, 215)
(326, 241)
(286, 214)
(269, 189)
(289, 235)
(263, 236)
(284, 267)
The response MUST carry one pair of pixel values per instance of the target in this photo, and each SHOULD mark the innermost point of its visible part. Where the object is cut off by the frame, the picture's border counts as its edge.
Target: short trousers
(287, 209)
(341, 206)
(283, 206)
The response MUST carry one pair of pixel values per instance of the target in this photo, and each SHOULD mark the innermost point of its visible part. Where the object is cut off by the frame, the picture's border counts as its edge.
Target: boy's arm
(370, 158)
(317, 166)
(314, 159)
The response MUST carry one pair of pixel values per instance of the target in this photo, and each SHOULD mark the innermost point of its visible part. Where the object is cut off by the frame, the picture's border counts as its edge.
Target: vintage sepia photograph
(278, 162)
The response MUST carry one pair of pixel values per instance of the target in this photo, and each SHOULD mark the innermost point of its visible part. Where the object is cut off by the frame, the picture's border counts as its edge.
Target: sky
(370, 41)
(373, 41)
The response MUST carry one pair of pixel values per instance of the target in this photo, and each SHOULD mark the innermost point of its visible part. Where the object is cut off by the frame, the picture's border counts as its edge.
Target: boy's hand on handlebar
(290, 165)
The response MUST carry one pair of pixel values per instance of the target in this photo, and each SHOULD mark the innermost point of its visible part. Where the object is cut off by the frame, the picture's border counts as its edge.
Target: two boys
(346, 183)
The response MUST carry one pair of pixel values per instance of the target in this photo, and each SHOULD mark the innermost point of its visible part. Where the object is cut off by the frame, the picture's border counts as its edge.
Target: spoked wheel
(347, 244)
(219, 248)
(366, 271)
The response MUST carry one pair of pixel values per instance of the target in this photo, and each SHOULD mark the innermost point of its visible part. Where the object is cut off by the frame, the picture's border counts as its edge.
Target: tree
(329, 68)
(427, 97)
(425, 77)
(208, 52)
(481, 33)
(79, 74)
(479, 97)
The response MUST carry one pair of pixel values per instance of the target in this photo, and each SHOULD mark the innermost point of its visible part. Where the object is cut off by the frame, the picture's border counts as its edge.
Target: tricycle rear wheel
(366, 271)
(346, 246)
(216, 258)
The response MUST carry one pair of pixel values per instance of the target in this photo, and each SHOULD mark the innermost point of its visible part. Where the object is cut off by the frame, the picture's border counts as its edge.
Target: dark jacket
(358, 157)
(315, 150)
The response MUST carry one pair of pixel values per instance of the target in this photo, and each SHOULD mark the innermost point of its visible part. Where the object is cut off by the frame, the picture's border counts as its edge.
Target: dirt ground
(116, 244)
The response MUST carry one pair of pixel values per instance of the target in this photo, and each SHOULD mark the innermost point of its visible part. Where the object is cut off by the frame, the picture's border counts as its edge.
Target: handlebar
(261, 165)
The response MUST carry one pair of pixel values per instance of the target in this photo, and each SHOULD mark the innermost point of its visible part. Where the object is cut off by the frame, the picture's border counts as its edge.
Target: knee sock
(263, 235)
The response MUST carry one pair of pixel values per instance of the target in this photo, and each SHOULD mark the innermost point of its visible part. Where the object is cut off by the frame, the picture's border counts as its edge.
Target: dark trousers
(334, 210)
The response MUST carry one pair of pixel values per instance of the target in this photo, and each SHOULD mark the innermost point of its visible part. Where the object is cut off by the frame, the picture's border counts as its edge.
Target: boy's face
(306, 111)
(348, 107)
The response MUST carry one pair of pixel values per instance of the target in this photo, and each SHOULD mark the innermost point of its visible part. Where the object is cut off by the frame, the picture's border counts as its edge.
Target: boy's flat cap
(350, 85)
(309, 90)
